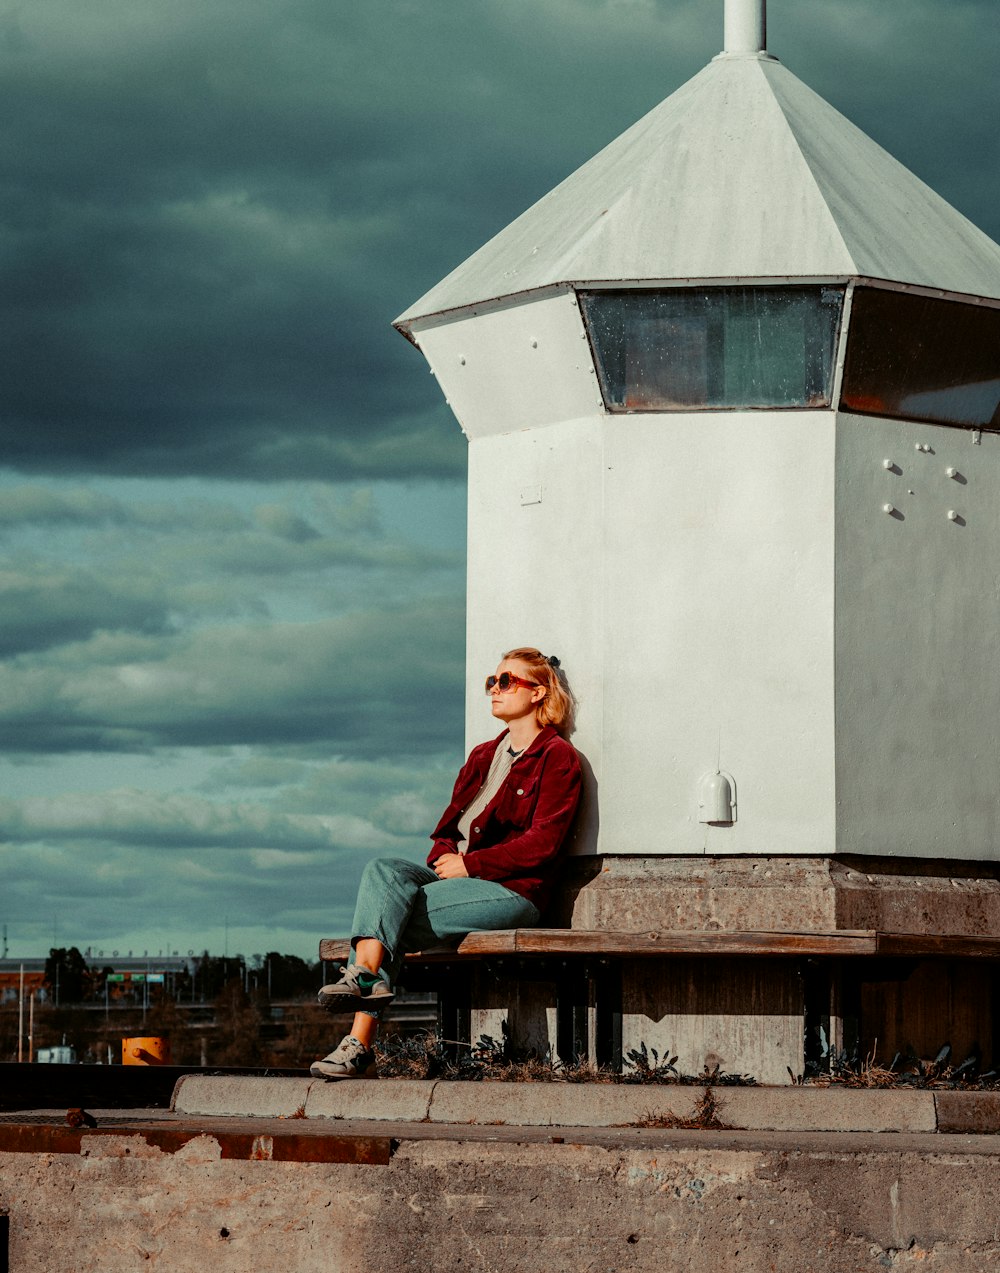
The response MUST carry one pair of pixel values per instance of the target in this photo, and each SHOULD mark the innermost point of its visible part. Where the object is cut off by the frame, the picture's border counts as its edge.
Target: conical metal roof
(744, 172)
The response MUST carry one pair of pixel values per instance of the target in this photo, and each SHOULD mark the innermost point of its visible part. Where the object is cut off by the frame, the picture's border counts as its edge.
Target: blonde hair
(558, 707)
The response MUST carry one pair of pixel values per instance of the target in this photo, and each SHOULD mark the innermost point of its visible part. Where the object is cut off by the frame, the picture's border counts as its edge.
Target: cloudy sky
(232, 503)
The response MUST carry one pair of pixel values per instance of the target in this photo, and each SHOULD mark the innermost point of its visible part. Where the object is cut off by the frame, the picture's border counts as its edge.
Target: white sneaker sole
(319, 1070)
(332, 1000)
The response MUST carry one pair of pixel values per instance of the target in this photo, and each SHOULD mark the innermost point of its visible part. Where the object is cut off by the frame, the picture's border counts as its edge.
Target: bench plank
(950, 946)
(561, 941)
(575, 941)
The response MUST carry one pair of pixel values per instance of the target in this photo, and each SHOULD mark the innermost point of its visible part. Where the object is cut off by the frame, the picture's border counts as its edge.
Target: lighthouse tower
(732, 395)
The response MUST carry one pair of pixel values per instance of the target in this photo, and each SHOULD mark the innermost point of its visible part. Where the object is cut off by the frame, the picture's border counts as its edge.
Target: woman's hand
(450, 866)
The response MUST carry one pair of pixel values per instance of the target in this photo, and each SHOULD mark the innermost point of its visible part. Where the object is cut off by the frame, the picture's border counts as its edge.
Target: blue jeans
(406, 907)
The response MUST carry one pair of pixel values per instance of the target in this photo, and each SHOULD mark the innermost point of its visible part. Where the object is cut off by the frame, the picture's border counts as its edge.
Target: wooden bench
(587, 981)
(573, 941)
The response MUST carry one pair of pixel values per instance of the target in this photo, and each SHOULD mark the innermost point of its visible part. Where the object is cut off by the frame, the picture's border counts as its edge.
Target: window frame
(786, 284)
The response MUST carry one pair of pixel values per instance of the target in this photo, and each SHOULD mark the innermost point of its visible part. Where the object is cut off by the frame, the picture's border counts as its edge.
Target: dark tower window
(917, 358)
(715, 348)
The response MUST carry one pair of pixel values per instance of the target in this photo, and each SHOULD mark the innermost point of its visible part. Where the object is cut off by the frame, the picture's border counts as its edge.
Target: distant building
(128, 974)
(10, 979)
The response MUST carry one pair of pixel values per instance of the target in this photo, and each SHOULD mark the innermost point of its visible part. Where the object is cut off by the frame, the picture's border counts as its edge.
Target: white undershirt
(500, 765)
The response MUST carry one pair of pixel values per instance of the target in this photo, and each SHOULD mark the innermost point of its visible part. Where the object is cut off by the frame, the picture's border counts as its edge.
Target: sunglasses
(507, 681)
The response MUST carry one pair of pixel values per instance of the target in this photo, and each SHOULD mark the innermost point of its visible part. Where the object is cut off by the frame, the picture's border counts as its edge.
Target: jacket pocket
(517, 801)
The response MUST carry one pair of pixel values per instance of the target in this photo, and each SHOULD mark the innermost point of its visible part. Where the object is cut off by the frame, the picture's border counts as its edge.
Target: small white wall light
(717, 800)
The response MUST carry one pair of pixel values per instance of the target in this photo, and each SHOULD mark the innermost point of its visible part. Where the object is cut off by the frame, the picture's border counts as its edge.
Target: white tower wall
(917, 617)
(689, 647)
(719, 604)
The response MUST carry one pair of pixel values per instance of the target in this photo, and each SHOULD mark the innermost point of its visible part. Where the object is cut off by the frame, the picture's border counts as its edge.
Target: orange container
(146, 1050)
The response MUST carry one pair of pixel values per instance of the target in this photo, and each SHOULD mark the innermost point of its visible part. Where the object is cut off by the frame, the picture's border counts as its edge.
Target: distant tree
(288, 977)
(67, 976)
(8, 1033)
(214, 972)
(238, 1028)
(181, 983)
(308, 1033)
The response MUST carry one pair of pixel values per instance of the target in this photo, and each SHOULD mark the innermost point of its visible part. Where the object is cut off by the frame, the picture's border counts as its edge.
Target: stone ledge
(797, 894)
(236, 1095)
(791, 1109)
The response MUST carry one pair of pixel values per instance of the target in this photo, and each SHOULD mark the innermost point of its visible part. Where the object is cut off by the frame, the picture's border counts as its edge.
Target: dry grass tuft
(705, 1116)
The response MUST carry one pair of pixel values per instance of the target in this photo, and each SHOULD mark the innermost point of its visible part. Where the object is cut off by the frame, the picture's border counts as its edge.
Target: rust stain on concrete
(35, 1138)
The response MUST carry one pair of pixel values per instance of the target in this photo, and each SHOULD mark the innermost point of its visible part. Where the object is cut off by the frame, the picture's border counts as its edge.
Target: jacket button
(520, 791)
(476, 829)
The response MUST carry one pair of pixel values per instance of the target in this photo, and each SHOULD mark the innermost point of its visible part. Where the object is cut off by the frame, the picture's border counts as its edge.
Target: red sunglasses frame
(496, 682)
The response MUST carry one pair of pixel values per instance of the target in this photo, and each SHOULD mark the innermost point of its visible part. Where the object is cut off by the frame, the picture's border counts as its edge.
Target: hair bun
(552, 661)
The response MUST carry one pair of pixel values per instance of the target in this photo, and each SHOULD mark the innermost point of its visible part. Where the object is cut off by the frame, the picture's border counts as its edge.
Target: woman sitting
(494, 858)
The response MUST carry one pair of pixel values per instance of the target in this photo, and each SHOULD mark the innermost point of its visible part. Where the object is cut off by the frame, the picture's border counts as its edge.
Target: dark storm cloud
(41, 609)
(210, 212)
(75, 562)
(371, 684)
(195, 250)
(140, 819)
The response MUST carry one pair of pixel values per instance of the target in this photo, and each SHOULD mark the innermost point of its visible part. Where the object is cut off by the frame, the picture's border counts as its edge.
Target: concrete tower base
(782, 894)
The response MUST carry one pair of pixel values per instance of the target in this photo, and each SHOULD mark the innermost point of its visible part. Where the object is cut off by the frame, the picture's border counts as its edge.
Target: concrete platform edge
(790, 1109)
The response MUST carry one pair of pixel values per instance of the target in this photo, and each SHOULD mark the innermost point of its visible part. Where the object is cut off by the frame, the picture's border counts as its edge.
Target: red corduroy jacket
(517, 838)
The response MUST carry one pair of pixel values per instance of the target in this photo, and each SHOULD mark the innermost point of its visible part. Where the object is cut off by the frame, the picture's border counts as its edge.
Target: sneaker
(356, 991)
(349, 1060)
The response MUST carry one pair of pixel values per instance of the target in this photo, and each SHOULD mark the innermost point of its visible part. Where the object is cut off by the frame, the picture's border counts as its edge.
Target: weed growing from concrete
(645, 1065)
(906, 1069)
(431, 1056)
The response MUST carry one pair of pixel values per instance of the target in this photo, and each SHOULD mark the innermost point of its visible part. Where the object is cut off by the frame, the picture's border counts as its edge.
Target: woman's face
(519, 701)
